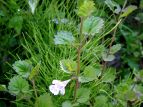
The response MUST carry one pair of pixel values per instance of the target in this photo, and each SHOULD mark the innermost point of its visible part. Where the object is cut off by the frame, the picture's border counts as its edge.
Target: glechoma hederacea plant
(82, 78)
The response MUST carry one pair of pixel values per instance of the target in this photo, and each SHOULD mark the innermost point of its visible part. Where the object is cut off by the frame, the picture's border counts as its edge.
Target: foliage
(94, 44)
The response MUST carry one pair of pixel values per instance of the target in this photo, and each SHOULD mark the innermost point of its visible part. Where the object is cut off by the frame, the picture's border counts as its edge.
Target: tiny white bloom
(58, 87)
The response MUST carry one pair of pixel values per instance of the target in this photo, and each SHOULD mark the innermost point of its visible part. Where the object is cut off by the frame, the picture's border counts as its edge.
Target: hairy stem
(78, 59)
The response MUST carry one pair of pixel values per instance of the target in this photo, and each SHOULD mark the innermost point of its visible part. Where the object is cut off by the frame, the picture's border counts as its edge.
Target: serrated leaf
(92, 25)
(2, 87)
(109, 75)
(107, 57)
(44, 100)
(113, 6)
(83, 95)
(64, 37)
(67, 104)
(23, 68)
(18, 85)
(68, 65)
(86, 8)
(115, 48)
(34, 71)
(89, 74)
(16, 23)
(128, 10)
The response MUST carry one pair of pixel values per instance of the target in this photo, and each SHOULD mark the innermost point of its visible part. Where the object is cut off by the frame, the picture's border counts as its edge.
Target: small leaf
(113, 6)
(83, 95)
(128, 10)
(89, 74)
(86, 8)
(16, 23)
(2, 87)
(115, 48)
(34, 71)
(67, 104)
(44, 100)
(107, 57)
(109, 75)
(23, 68)
(68, 65)
(64, 37)
(18, 85)
(92, 25)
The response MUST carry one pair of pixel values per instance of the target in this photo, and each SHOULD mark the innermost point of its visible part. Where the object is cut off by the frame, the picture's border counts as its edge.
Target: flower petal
(66, 82)
(62, 91)
(56, 82)
(54, 89)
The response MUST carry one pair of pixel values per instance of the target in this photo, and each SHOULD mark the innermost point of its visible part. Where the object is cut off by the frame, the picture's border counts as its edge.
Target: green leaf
(16, 23)
(83, 95)
(128, 10)
(89, 74)
(18, 85)
(23, 68)
(86, 8)
(44, 100)
(34, 71)
(2, 87)
(92, 25)
(107, 57)
(115, 48)
(68, 65)
(109, 75)
(113, 6)
(67, 104)
(141, 4)
(101, 101)
(64, 37)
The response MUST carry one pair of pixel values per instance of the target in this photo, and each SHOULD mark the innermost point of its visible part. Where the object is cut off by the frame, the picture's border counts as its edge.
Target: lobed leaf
(23, 68)
(64, 37)
(92, 25)
(18, 85)
(86, 8)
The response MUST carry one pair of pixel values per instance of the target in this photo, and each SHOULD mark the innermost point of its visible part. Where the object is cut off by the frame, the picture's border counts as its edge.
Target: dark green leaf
(18, 85)
(44, 100)
(16, 23)
(23, 68)
(83, 95)
(109, 75)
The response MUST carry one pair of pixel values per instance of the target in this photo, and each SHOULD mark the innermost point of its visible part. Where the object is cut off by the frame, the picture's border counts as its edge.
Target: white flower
(58, 87)
(32, 5)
